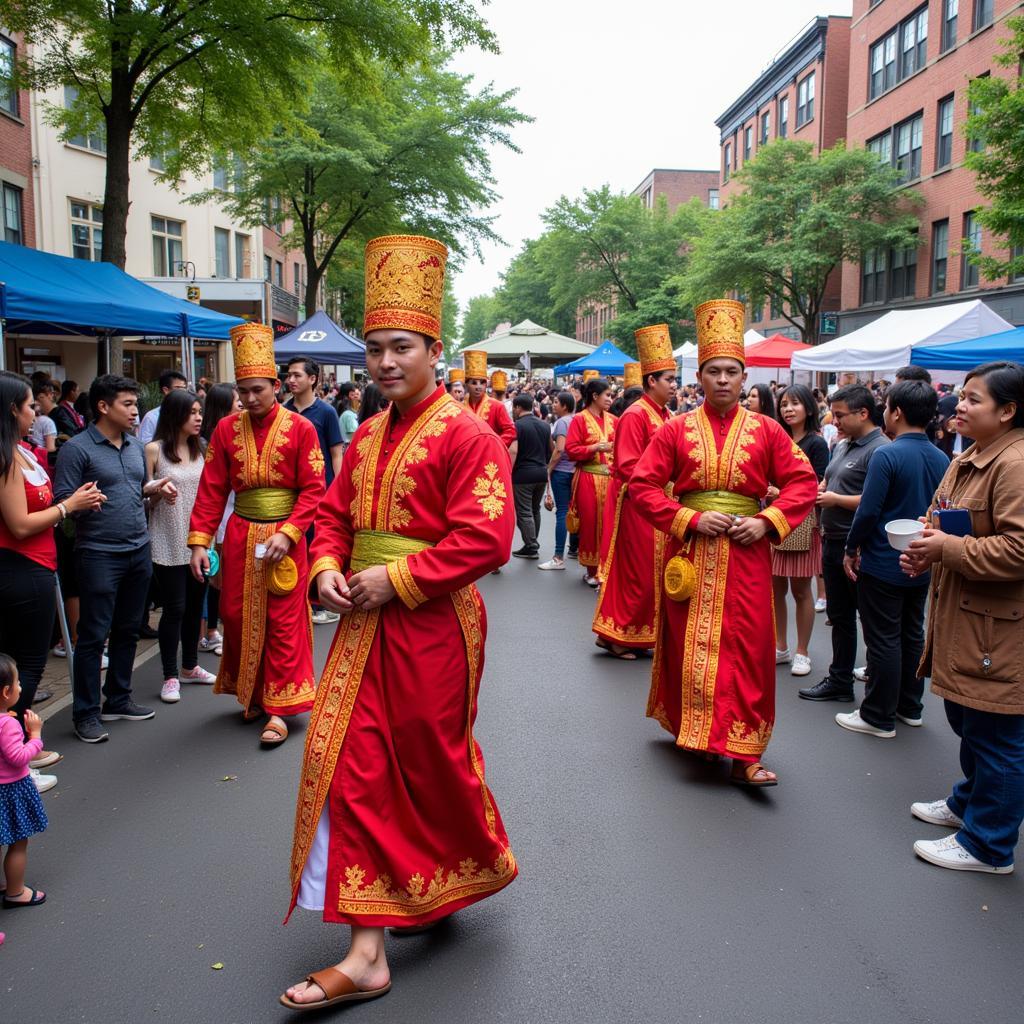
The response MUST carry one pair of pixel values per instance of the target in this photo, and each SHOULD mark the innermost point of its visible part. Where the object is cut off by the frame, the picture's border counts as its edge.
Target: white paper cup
(260, 550)
(901, 532)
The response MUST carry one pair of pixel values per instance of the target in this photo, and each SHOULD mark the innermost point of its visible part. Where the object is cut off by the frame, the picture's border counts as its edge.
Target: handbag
(799, 538)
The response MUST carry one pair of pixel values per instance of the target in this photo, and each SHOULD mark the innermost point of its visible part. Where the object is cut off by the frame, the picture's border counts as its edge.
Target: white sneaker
(948, 853)
(43, 782)
(783, 657)
(59, 650)
(936, 813)
(861, 674)
(211, 645)
(45, 758)
(555, 563)
(322, 617)
(855, 723)
(591, 581)
(914, 723)
(198, 675)
(820, 604)
(170, 692)
(801, 665)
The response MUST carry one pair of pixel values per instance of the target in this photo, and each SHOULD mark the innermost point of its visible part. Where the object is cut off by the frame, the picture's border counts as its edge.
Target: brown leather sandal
(748, 776)
(279, 731)
(337, 988)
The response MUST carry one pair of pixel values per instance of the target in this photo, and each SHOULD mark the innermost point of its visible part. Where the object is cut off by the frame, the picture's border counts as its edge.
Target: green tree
(412, 154)
(180, 77)
(798, 218)
(610, 248)
(482, 316)
(525, 293)
(997, 117)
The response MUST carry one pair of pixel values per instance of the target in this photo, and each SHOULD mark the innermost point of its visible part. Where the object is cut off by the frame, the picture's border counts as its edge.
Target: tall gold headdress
(631, 376)
(475, 362)
(252, 346)
(404, 284)
(720, 331)
(654, 346)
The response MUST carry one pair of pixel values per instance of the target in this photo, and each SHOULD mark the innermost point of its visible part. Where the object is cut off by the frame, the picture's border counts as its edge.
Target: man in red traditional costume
(395, 825)
(632, 561)
(490, 410)
(457, 384)
(713, 679)
(271, 459)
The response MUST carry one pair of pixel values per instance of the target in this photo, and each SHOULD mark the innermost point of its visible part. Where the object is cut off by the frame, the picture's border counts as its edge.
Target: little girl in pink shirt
(21, 809)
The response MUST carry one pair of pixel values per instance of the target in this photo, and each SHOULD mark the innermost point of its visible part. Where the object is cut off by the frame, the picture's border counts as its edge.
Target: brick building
(801, 94)
(678, 187)
(17, 196)
(910, 67)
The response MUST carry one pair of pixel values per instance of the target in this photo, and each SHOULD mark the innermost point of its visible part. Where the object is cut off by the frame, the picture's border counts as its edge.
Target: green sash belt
(720, 501)
(597, 468)
(265, 504)
(376, 547)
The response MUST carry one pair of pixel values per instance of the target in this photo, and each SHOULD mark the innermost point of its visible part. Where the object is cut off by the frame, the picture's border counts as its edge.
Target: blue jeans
(114, 586)
(561, 488)
(990, 796)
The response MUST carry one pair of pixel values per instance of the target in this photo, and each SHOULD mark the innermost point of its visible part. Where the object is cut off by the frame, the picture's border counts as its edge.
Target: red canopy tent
(775, 351)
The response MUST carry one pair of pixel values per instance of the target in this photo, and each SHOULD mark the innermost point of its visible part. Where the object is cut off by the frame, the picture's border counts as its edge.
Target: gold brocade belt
(265, 504)
(597, 468)
(376, 547)
(720, 501)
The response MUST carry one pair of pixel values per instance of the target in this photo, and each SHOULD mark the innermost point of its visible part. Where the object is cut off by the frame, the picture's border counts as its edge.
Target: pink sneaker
(198, 675)
(170, 692)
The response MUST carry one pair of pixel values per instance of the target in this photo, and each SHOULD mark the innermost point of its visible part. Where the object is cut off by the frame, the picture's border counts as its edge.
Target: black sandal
(37, 898)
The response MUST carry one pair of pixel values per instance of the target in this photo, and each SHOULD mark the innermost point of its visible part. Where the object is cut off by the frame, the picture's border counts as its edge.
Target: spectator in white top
(44, 431)
(170, 380)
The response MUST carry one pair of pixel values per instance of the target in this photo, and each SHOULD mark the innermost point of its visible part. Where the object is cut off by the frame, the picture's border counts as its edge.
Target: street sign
(829, 323)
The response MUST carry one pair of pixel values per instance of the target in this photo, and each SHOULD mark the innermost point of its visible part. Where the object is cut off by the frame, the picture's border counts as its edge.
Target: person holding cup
(975, 633)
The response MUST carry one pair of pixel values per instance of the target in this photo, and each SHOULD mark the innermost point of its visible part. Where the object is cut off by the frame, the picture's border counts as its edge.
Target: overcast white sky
(616, 90)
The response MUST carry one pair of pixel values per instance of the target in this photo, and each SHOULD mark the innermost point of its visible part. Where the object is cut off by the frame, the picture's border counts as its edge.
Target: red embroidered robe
(713, 678)
(268, 639)
(632, 560)
(414, 830)
(496, 416)
(590, 490)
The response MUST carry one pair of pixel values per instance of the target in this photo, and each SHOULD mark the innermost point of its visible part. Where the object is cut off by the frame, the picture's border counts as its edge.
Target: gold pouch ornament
(283, 577)
(680, 578)
(572, 520)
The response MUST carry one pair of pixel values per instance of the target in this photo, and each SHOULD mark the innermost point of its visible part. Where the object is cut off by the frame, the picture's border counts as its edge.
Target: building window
(712, 198)
(96, 141)
(805, 101)
(783, 117)
(220, 176)
(775, 308)
(940, 255)
(950, 10)
(728, 161)
(268, 268)
(279, 273)
(881, 146)
(972, 243)
(86, 231)
(241, 255)
(982, 13)
(913, 43)
(274, 215)
(766, 127)
(748, 142)
(12, 214)
(873, 277)
(902, 273)
(883, 66)
(976, 143)
(944, 144)
(8, 95)
(908, 148)
(167, 247)
(297, 271)
(222, 252)
(1016, 253)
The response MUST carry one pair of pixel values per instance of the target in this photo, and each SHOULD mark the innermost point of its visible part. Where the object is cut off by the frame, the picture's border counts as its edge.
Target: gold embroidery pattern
(245, 452)
(210, 453)
(798, 454)
(364, 473)
(597, 431)
(419, 896)
(283, 696)
(490, 492)
(272, 453)
(680, 522)
(405, 586)
(293, 533)
(656, 710)
(322, 565)
(778, 520)
(696, 434)
(734, 457)
(332, 710)
(743, 739)
(206, 539)
(316, 459)
(607, 627)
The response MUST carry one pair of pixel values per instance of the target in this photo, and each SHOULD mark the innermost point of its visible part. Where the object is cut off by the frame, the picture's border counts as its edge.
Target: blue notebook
(954, 521)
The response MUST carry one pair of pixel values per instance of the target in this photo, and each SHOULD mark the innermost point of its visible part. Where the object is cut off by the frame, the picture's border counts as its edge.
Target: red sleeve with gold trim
(307, 460)
(214, 486)
(792, 473)
(631, 435)
(479, 519)
(577, 440)
(332, 540)
(501, 422)
(661, 464)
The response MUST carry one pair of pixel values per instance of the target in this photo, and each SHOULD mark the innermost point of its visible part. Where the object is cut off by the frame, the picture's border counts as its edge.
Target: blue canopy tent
(606, 358)
(965, 355)
(321, 339)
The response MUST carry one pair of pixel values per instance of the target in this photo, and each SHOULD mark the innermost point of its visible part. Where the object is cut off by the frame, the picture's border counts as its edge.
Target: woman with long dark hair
(28, 553)
(761, 400)
(373, 402)
(176, 454)
(589, 443)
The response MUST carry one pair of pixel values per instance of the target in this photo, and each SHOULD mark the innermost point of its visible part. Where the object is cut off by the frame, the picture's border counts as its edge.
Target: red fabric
(268, 640)
(632, 551)
(776, 351)
(40, 547)
(713, 678)
(590, 490)
(415, 833)
(496, 416)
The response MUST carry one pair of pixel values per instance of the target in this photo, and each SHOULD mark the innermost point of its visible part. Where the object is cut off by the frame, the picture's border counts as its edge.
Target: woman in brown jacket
(974, 650)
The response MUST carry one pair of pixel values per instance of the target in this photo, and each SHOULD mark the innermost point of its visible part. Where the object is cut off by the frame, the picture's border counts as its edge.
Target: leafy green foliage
(482, 316)
(798, 218)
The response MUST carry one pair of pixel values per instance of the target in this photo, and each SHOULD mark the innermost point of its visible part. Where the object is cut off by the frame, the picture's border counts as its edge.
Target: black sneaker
(525, 552)
(89, 730)
(130, 712)
(827, 690)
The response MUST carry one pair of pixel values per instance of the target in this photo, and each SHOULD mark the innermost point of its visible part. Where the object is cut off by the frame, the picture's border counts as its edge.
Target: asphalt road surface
(650, 889)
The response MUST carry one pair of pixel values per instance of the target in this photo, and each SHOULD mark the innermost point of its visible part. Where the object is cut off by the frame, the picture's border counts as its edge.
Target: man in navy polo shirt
(302, 378)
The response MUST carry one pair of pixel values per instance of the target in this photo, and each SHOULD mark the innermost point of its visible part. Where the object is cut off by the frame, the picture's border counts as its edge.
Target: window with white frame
(222, 252)
(944, 135)
(86, 231)
(168, 236)
(805, 101)
(909, 135)
(241, 255)
(12, 214)
(766, 127)
(783, 117)
(950, 14)
(8, 94)
(95, 140)
(972, 243)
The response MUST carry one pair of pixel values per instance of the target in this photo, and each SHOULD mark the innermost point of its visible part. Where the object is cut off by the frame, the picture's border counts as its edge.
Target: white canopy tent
(752, 338)
(888, 343)
(686, 360)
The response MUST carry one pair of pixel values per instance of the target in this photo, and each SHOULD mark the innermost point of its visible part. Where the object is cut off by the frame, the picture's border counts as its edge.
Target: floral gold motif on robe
(490, 492)
(316, 460)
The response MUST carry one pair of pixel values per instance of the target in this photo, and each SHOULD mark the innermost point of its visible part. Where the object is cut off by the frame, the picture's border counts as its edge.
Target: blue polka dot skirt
(21, 811)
